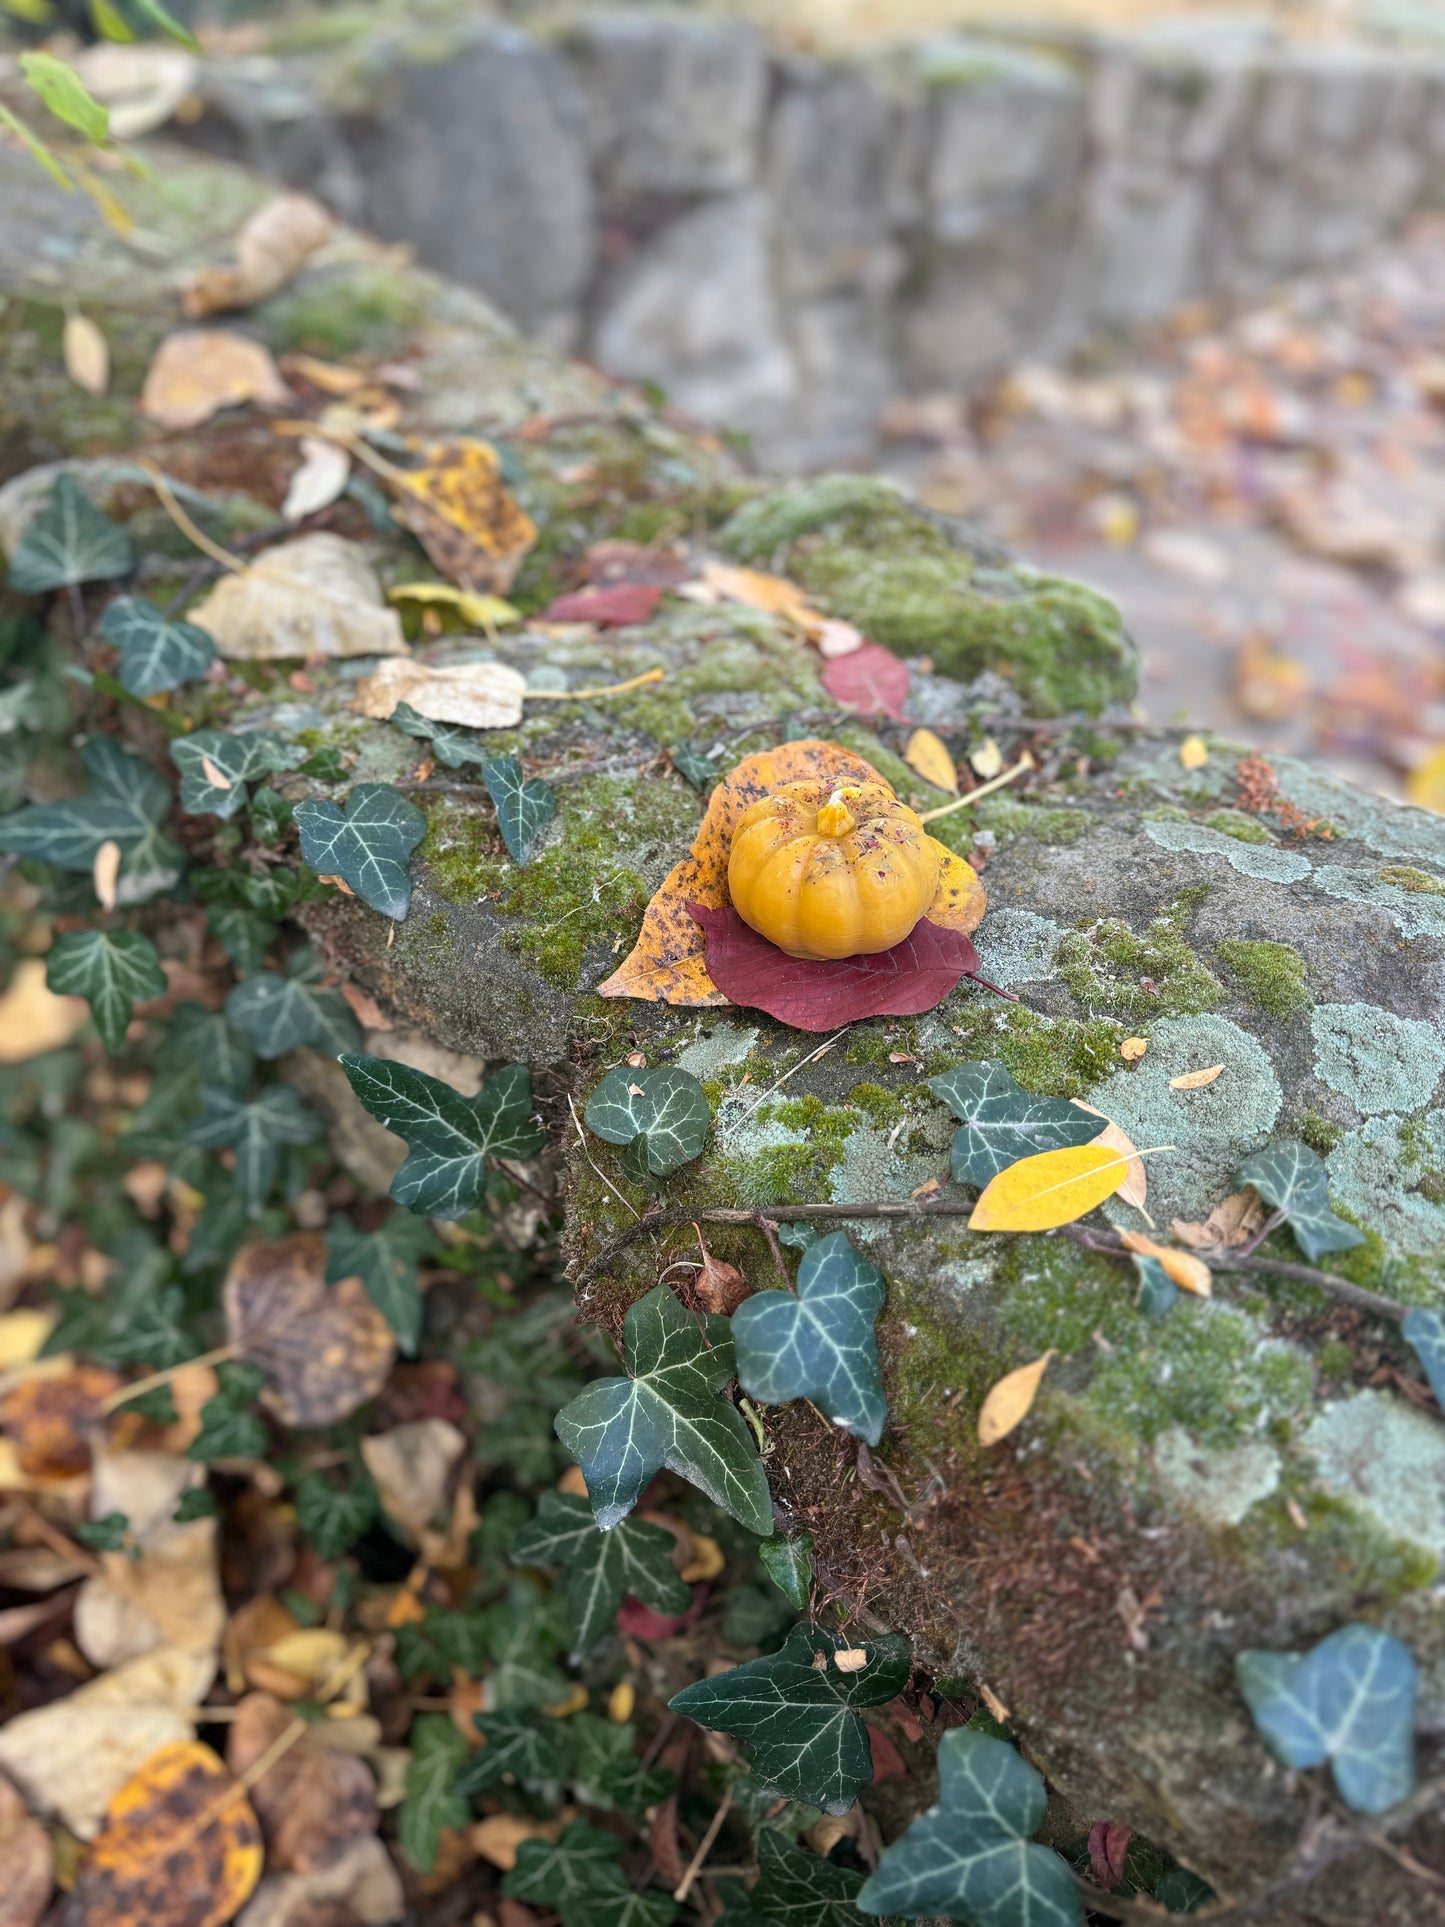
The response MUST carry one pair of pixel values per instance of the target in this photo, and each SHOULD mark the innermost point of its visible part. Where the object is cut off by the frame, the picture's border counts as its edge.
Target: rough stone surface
(1101, 1567)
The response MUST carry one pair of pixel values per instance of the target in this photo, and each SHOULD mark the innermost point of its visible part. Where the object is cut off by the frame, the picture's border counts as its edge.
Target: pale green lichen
(725, 1044)
(1416, 912)
(1266, 864)
(1379, 1061)
(1382, 1174)
(1017, 947)
(1271, 975)
(1388, 1460)
(1221, 1486)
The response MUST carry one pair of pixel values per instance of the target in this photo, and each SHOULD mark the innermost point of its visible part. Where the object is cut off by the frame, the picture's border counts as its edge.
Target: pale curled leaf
(87, 354)
(271, 244)
(928, 755)
(1009, 1401)
(1195, 1080)
(474, 695)
(316, 595)
(324, 472)
(105, 874)
(1181, 1267)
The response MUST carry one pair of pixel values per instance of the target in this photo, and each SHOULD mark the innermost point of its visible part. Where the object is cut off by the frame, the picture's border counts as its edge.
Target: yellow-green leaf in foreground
(1053, 1188)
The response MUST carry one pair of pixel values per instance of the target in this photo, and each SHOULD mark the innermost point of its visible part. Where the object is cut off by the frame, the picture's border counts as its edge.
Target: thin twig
(186, 526)
(704, 1848)
(1273, 1267)
(579, 695)
(1025, 762)
(598, 1169)
(770, 1232)
(220, 1356)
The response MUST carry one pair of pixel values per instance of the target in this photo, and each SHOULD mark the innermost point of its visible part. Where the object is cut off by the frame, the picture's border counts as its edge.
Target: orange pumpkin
(832, 872)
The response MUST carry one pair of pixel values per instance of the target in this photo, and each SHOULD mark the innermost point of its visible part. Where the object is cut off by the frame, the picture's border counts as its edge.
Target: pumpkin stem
(835, 818)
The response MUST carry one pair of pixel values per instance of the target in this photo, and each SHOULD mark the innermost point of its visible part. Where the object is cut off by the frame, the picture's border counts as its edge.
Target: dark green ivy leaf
(386, 1262)
(368, 844)
(440, 1641)
(113, 973)
(798, 1889)
(797, 1715)
(699, 770)
(1002, 1122)
(1424, 1331)
(69, 541)
(280, 1013)
(602, 1568)
(209, 754)
(255, 1129)
(449, 1137)
(606, 1770)
(230, 1429)
(1351, 1701)
(523, 1644)
(432, 1803)
(244, 934)
(818, 1343)
(972, 1856)
(104, 1535)
(574, 1868)
(333, 1517)
(125, 804)
(533, 1752)
(151, 1334)
(668, 1413)
(524, 806)
(789, 1564)
(156, 653)
(197, 1503)
(1158, 1293)
(666, 1107)
(450, 745)
(1291, 1177)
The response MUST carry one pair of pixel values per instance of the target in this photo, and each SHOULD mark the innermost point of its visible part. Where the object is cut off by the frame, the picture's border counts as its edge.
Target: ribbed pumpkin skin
(819, 895)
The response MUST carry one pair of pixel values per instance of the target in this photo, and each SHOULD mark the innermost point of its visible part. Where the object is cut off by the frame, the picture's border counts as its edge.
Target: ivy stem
(186, 526)
(220, 1356)
(1024, 762)
(578, 695)
(704, 1848)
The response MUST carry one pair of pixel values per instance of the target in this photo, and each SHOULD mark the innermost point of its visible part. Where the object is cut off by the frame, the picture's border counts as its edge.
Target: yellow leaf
(458, 508)
(1133, 1048)
(927, 754)
(986, 760)
(87, 354)
(33, 1019)
(312, 1654)
(563, 1709)
(1135, 1188)
(707, 1559)
(1425, 785)
(775, 595)
(22, 1333)
(486, 611)
(1181, 1267)
(196, 372)
(1052, 1188)
(1193, 752)
(621, 1701)
(1008, 1402)
(1195, 1080)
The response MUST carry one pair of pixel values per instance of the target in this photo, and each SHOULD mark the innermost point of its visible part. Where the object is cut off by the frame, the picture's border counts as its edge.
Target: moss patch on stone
(1133, 978)
(1271, 975)
(1244, 829)
(1404, 876)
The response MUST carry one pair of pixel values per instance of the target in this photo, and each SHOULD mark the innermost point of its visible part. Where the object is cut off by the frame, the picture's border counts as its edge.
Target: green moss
(1011, 816)
(1336, 1359)
(1054, 1056)
(1405, 877)
(858, 545)
(362, 308)
(1322, 1134)
(1133, 978)
(1272, 974)
(1244, 829)
(881, 1107)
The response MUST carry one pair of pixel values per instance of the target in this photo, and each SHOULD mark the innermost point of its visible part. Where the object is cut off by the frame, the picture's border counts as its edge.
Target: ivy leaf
(69, 541)
(440, 1642)
(243, 933)
(1424, 1331)
(333, 1517)
(368, 845)
(386, 1262)
(665, 1107)
(1351, 1701)
(255, 1129)
(798, 1889)
(280, 1013)
(451, 745)
(533, 1752)
(449, 1137)
(971, 1857)
(156, 653)
(113, 973)
(1158, 1293)
(699, 770)
(525, 806)
(215, 768)
(579, 1864)
(432, 1803)
(789, 1564)
(623, 1430)
(606, 1771)
(523, 1645)
(1291, 1177)
(230, 1429)
(125, 804)
(797, 1715)
(1002, 1122)
(818, 1344)
(602, 1568)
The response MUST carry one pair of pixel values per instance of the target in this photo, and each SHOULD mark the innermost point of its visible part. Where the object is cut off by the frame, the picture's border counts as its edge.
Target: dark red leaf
(1108, 1843)
(636, 1621)
(887, 1760)
(616, 607)
(912, 977)
(871, 680)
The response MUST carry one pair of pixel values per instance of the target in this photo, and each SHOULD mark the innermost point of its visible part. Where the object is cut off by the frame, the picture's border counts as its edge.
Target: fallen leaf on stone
(1008, 1402)
(87, 354)
(871, 680)
(309, 1656)
(412, 1467)
(33, 1020)
(987, 760)
(1425, 784)
(1180, 1267)
(325, 1349)
(315, 485)
(312, 1803)
(927, 754)
(482, 611)
(180, 1847)
(774, 595)
(1269, 686)
(331, 377)
(720, 1288)
(1135, 1188)
(70, 1757)
(197, 372)
(832, 637)
(1051, 1188)
(26, 1857)
(257, 1624)
(164, 1588)
(1193, 752)
(271, 245)
(141, 84)
(618, 605)
(1230, 1224)
(476, 695)
(1195, 1080)
(1133, 1048)
(314, 596)
(51, 1418)
(458, 508)
(667, 963)
(359, 1889)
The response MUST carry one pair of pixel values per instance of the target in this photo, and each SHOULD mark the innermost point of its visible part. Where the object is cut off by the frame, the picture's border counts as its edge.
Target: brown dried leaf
(1195, 1080)
(168, 1595)
(25, 1856)
(315, 596)
(774, 595)
(497, 1838)
(52, 1418)
(1008, 1402)
(1133, 1048)
(1183, 1269)
(412, 1466)
(361, 1889)
(313, 1803)
(1230, 1224)
(33, 1019)
(460, 511)
(476, 695)
(180, 1847)
(325, 1348)
(271, 245)
(197, 372)
(720, 1287)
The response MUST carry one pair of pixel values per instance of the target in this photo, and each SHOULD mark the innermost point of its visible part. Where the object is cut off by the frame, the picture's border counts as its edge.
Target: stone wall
(785, 243)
